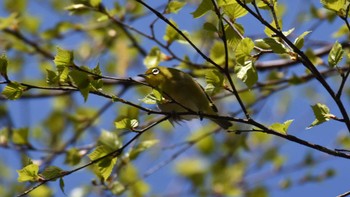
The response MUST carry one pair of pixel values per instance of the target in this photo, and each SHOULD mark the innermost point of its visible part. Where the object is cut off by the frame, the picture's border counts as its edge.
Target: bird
(181, 93)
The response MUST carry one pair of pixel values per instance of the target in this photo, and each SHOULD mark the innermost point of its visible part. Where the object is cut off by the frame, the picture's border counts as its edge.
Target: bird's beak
(142, 75)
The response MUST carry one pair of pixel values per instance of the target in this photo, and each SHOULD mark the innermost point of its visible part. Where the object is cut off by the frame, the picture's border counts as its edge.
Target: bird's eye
(155, 71)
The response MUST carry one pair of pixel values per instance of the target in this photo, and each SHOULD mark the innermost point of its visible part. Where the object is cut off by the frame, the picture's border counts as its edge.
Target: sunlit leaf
(3, 65)
(281, 127)
(153, 58)
(20, 136)
(334, 5)
(106, 165)
(276, 46)
(13, 90)
(243, 50)
(170, 33)
(141, 147)
(203, 8)
(215, 81)
(299, 41)
(52, 172)
(63, 58)
(8, 21)
(247, 73)
(175, 6)
(126, 123)
(28, 173)
(321, 113)
(82, 81)
(335, 55)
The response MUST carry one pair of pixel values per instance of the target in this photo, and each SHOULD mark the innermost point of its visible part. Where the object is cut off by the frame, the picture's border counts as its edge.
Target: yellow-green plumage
(181, 92)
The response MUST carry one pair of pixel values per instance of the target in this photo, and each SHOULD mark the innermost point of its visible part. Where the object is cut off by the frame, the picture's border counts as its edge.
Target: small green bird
(181, 93)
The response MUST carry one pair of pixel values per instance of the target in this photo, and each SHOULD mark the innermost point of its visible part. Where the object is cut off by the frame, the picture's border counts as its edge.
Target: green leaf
(174, 7)
(82, 81)
(269, 32)
(153, 58)
(190, 167)
(13, 90)
(104, 166)
(28, 173)
(243, 50)
(62, 185)
(64, 58)
(8, 21)
(233, 37)
(276, 46)
(233, 10)
(210, 27)
(247, 73)
(95, 3)
(321, 113)
(281, 127)
(334, 5)
(170, 33)
(203, 8)
(52, 172)
(20, 136)
(287, 33)
(126, 123)
(3, 66)
(73, 157)
(299, 41)
(335, 55)
(217, 52)
(215, 81)
(109, 140)
(141, 147)
(52, 78)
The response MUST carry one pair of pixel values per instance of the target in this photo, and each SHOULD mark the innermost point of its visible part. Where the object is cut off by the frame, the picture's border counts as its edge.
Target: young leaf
(276, 46)
(82, 80)
(335, 55)
(109, 140)
(203, 8)
(142, 147)
(333, 5)
(233, 9)
(126, 123)
(51, 78)
(73, 157)
(63, 58)
(190, 167)
(28, 173)
(244, 49)
(52, 172)
(215, 81)
(13, 91)
(281, 127)
(104, 166)
(62, 185)
(3, 66)
(299, 41)
(170, 33)
(153, 58)
(174, 7)
(8, 21)
(20, 136)
(233, 37)
(269, 32)
(247, 73)
(322, 114)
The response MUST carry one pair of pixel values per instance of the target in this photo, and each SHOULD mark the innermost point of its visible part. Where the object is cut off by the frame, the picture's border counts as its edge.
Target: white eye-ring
(155, 71)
